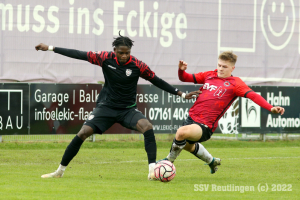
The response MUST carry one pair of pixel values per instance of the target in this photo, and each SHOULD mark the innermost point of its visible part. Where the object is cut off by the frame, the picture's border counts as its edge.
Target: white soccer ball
(164, 171)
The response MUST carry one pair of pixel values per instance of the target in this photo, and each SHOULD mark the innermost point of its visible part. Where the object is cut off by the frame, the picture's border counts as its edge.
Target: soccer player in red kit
(219, 91)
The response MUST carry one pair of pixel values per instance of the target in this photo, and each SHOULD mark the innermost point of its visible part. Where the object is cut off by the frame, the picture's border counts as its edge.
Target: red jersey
(217, 96)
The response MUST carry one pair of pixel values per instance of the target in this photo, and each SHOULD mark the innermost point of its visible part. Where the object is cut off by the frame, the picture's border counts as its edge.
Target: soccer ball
(164, 171)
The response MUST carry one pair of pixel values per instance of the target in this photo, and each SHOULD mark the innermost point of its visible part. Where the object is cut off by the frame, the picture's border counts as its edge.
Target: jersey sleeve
(259, 100)
(241, 89)
(145, 71)
(185, 77)
(99, 57)
(200, 77)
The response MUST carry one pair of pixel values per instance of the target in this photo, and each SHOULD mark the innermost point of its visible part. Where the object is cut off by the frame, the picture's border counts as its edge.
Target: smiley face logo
(278, 26)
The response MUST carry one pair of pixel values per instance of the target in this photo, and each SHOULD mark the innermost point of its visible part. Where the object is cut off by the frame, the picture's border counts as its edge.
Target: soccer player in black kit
(116, 102)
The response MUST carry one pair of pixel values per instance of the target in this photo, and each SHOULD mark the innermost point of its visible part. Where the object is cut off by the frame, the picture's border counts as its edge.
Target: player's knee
(144, 125)
(148, 126)
(181, 134)
(85, 132)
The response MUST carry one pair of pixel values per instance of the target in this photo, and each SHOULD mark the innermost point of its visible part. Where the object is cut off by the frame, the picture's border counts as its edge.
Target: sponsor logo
(111, 67)
(91, 117)
(128, 72)
(206, 86)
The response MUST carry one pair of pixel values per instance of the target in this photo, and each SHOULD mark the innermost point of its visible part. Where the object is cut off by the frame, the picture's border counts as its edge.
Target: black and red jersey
(120, 80)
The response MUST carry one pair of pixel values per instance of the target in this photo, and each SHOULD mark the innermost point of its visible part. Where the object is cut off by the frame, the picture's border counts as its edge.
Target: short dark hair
(122, 41)
(228, 56)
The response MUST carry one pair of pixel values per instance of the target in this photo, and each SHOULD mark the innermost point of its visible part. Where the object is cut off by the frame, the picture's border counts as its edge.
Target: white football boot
(151, 176)
(56, 174)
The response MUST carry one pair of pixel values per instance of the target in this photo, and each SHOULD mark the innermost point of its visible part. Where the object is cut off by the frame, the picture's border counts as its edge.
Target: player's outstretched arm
(183, 76)
(72, 53)
(277, 110)
(169, 88)
(264, 104)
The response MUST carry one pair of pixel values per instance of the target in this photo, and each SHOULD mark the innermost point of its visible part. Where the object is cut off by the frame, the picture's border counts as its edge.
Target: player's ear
(115, 49)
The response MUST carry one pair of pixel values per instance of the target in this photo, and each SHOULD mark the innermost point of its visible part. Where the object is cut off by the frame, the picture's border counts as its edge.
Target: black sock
(71, 150)
(150, 145)
(178, 142)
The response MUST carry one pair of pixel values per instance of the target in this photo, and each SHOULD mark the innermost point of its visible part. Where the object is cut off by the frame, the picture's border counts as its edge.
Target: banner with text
(63, 108)
(255, 119)
(263, 33)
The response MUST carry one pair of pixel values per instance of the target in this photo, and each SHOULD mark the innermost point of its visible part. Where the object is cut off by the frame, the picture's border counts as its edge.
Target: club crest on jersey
(128, 72)
(227, 83)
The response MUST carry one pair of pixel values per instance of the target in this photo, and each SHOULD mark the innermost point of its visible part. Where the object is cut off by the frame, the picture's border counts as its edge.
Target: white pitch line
(183, 160)
(179, 160)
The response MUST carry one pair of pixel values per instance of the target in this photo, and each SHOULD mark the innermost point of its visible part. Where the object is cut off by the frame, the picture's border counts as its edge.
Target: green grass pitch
(118, 170)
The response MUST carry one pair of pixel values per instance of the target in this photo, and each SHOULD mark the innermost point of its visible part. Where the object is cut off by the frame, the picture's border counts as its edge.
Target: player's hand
(277, 110)
(42, 47)
(193, 94)
(182, 65)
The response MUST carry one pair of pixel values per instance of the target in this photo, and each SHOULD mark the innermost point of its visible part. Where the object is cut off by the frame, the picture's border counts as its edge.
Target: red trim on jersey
(145, 71)
(99, 57)
(185, 77)
(126, 62)
(259, 100)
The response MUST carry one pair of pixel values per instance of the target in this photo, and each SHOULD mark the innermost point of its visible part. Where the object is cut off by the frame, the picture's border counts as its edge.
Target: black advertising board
(28, 108)
(61, 109)
(164, 110)
(255, 119)
(14, 109)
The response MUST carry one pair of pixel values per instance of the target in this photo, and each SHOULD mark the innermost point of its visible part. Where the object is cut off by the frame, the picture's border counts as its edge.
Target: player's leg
(99, 121)
(190, 132)
(71, 151)
(198, 150)
(193, 133)
(135, 120)
(145, 127)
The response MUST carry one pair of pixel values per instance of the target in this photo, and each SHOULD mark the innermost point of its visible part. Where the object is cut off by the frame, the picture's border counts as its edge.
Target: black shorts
(103, 117)
(206, 132)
